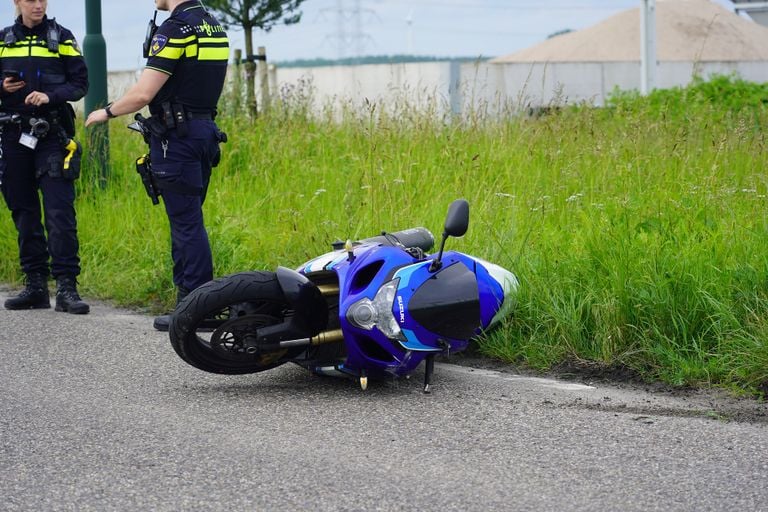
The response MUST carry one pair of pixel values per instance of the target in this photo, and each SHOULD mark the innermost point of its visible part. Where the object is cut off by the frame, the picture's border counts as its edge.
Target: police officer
(42, 70)
(182, 81)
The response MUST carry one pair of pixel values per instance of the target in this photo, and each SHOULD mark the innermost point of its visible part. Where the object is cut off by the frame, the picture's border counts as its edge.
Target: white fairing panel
(509, 284)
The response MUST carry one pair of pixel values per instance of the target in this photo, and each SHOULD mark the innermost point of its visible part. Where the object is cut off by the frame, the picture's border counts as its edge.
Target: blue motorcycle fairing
(326, 261)
(387, 258)
(373, 349)
(406, 273)
(365, 349)
(501, 286)
(478, 285)
(412, 343)
(480, 296)
(446, 303)
(421, 301)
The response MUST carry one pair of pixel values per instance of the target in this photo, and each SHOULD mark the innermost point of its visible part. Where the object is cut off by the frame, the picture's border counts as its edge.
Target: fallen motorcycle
(375, 308)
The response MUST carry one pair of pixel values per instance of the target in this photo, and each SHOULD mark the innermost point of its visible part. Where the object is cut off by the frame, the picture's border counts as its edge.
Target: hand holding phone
(12, 74)
(12, 81)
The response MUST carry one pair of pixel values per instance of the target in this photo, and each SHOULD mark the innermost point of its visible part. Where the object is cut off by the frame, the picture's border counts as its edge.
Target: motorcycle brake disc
(236, 338)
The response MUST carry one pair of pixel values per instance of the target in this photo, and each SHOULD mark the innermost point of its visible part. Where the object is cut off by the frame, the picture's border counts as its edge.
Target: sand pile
(686, 30)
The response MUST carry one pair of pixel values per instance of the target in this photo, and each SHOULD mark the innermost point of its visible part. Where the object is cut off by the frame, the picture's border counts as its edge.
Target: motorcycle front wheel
(214, 328)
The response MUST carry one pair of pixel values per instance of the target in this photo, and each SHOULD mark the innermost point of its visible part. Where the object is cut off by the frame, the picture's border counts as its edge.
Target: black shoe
(67, 298)
(162, 323)
(33, 296)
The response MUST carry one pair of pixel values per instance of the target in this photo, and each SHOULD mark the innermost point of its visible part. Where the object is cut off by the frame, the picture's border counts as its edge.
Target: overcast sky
(347, 28)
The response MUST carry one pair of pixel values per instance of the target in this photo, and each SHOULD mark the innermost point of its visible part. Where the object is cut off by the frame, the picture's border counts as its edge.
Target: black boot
(163, 322)
(67, 298)
(34, 296)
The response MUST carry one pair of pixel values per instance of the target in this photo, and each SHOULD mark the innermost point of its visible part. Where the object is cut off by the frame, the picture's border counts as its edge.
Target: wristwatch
(108, 110)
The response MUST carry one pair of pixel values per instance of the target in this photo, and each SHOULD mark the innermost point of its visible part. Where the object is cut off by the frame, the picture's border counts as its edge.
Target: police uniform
(192, 47)
(49, 60)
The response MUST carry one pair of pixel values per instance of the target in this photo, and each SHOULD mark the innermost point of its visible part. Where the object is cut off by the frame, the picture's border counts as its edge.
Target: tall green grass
(638, 230)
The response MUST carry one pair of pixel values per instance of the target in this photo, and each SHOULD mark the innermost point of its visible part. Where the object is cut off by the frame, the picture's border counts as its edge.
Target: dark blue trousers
(183, 171)
(26, 174)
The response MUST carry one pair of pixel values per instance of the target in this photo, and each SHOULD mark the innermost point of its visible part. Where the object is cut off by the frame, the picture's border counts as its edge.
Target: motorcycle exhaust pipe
(322, 338)
(328, 289)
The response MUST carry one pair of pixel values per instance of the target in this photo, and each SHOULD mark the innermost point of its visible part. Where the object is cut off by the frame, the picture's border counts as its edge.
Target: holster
(73, 153)
(154, 126)
(144, 168)
(62, 164)
(221, 137)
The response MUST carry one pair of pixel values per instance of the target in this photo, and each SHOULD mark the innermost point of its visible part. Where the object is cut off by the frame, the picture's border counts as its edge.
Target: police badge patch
(158, 43)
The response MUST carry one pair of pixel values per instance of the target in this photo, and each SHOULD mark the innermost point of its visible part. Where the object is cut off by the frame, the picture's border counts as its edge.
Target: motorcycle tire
(210, 325)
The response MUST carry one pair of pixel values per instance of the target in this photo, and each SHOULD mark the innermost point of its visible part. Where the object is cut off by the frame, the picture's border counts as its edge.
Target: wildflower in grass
(319, 191)
(574, 198)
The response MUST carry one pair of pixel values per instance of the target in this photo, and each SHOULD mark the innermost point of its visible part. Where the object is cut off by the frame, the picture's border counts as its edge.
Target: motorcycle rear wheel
(211, 326)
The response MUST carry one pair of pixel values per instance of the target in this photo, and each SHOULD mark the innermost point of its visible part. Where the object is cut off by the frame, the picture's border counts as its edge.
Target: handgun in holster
(144, 168)
(148, 127)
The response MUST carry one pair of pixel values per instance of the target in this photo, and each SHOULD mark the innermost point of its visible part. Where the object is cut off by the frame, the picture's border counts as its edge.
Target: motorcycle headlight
(367, 313)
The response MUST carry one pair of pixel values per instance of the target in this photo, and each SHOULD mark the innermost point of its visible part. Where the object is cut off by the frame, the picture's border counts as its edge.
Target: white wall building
(694, 37)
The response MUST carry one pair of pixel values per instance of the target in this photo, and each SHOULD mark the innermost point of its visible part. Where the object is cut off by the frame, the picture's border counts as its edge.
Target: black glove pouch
(221, 137)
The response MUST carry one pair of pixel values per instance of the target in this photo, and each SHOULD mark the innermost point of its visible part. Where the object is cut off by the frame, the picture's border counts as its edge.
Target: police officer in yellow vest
(42, 70)
(182, 81)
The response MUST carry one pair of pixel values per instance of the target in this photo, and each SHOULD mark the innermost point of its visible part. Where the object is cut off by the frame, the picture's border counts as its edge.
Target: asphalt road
(98, 413)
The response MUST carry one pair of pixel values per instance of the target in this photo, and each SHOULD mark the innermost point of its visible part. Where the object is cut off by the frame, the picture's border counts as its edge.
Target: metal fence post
(95, 53)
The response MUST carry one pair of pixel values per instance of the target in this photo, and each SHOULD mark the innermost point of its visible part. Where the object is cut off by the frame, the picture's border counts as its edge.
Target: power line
(349, 13)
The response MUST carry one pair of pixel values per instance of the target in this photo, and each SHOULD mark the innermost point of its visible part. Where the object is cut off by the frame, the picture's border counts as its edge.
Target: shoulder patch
(158, 43)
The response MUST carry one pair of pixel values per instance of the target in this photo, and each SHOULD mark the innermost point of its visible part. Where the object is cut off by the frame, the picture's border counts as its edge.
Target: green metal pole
(95, 53)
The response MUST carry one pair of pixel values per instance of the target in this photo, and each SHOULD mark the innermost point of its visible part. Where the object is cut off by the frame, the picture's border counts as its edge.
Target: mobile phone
(11, 73)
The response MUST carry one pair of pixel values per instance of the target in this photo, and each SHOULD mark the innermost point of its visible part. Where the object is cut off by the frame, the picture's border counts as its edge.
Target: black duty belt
(199, 116)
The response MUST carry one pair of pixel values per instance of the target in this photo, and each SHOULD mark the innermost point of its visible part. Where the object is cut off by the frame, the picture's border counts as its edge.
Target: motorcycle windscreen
(448, 303)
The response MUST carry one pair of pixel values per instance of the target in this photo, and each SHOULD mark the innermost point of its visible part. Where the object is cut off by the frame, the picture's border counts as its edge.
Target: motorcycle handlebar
(414, 237)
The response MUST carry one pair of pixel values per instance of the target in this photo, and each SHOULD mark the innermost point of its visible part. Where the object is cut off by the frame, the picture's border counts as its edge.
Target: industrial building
(693, 38)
